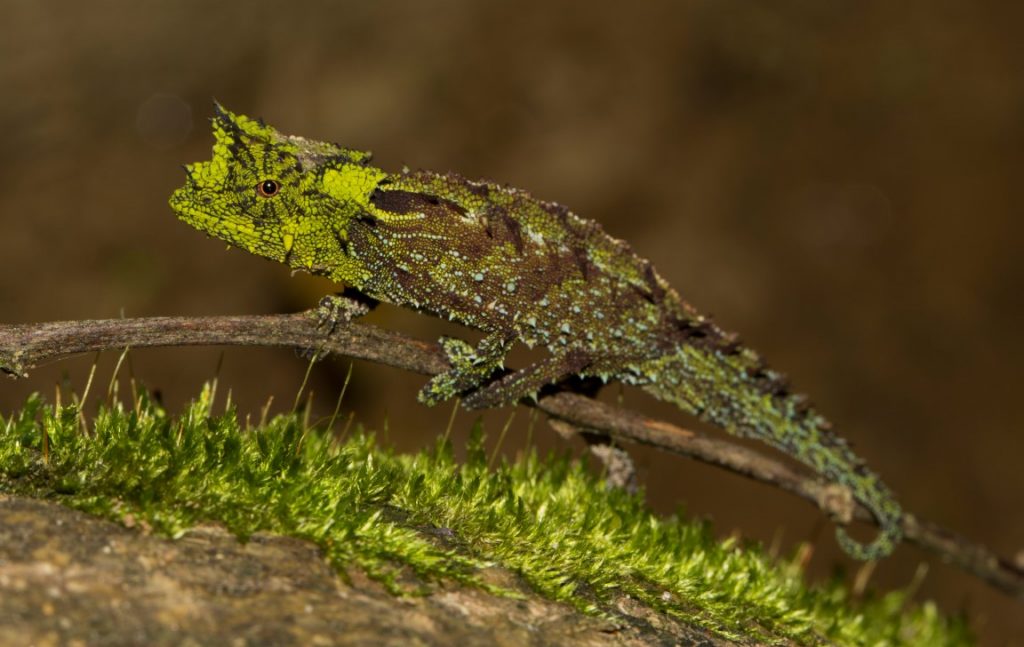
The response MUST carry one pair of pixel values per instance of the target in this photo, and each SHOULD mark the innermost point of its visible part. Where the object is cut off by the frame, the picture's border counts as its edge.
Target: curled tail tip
(890, 534)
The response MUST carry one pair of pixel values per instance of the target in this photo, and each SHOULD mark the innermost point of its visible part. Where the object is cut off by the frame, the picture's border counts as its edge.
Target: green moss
(414, 520)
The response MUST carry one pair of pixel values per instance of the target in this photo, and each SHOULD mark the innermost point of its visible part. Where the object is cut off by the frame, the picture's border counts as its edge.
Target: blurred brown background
(836, 180)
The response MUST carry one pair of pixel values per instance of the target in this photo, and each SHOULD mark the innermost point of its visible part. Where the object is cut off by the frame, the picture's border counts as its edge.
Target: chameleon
(518, 269)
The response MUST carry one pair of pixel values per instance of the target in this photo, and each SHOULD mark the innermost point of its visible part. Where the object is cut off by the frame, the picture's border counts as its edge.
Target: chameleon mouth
(236, 231)
(184, 204)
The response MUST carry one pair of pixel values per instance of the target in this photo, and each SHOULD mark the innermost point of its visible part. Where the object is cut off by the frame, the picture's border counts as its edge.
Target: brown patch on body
(657, 292)
(406, 202)
(583, 262)
(502, 227)
(480, 189)
(557, 210)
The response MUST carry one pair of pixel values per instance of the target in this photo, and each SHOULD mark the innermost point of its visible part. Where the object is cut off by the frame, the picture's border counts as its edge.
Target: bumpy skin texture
(517, 268)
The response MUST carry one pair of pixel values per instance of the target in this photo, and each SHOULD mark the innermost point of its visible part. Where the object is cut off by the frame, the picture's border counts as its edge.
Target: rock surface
(67, 578)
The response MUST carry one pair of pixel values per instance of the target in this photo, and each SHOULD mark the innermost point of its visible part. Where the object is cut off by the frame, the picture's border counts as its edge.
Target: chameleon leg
(528, 381)
(470, 367)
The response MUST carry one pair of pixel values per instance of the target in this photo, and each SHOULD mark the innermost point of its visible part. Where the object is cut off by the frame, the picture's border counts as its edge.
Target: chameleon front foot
(336, 309)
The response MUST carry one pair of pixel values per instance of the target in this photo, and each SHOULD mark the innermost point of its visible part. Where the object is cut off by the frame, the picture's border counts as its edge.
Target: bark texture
(67, 578)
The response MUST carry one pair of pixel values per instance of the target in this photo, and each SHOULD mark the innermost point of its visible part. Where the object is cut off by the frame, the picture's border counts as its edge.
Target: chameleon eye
(268, 188)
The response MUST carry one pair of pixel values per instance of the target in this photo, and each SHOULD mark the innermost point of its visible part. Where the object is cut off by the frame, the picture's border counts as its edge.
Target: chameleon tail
(728, 386)
(890, 520)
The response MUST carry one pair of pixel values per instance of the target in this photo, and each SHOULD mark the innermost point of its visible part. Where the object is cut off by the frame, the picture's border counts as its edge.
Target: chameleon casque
(516, 268)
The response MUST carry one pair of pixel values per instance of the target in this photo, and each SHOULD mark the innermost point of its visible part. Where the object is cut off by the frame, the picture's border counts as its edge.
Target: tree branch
(25, 346)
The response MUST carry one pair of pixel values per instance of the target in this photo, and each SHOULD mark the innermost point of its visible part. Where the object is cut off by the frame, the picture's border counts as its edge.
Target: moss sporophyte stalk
(551, 520)
(517, 268)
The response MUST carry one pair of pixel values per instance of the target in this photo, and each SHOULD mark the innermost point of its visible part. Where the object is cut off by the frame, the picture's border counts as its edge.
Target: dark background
(836, 180)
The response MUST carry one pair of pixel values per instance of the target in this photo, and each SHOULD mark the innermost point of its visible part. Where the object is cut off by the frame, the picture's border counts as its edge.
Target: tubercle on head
(228, 127)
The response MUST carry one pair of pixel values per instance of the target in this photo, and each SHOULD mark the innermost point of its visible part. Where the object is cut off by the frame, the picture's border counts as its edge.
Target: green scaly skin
(517, 268)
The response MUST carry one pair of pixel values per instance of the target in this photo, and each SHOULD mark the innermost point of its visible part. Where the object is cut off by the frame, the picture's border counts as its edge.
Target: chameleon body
(520, 270)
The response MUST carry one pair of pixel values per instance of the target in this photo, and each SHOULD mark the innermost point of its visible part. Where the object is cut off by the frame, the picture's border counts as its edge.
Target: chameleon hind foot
(470, 367)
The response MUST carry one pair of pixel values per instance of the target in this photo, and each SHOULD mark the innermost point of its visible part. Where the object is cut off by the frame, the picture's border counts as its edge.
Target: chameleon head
(262, 191)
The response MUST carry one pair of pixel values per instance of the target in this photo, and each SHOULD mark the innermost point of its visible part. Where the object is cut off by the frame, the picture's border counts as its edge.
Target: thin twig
(25, 346)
